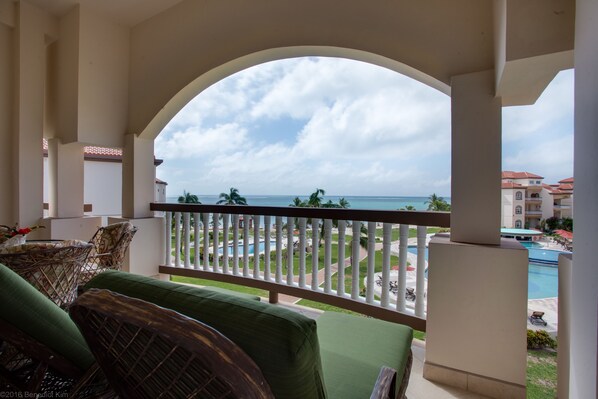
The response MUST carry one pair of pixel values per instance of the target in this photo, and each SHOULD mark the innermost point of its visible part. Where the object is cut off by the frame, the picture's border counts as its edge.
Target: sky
(290, 126)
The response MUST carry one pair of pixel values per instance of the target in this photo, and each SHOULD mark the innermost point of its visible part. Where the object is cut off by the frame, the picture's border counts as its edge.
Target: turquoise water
(542, 279)
(356, 202)
(251, 248)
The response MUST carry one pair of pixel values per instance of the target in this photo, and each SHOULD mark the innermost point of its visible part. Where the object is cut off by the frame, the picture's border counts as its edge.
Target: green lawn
(541, 374)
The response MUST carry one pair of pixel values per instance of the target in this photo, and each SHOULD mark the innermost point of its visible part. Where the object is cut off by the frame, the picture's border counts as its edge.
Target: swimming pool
(542, 279)
(262, 248)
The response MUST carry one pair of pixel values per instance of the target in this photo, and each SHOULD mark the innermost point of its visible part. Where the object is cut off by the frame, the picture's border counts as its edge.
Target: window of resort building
(518, 210)
(518, 195)
(518, 224)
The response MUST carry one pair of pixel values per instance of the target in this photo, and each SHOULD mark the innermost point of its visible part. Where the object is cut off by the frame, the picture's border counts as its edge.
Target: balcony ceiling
(125, 12)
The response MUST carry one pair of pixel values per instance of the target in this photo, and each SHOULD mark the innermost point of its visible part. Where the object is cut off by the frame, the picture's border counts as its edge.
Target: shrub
(553, 223)
(539, 339)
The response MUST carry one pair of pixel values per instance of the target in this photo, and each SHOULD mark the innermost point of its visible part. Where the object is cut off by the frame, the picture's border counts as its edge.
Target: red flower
(25, 230)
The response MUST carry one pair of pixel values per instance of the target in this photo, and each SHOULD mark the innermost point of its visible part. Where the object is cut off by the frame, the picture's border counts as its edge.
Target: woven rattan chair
(148, 352)
(110, 243)
(41, 350)
(51, 267)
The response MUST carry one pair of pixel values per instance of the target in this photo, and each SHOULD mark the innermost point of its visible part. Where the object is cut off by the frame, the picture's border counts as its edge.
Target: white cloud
(551, 159)
(196, 142)
(365, 131)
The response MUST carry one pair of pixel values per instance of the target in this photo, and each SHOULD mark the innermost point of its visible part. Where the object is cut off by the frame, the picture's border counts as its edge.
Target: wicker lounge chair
(41, 350)
(52, 267)
(147, 351)
(536, 318)
(110, 243)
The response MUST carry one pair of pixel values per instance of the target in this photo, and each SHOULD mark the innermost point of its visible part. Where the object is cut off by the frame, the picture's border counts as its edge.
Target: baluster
(279, 249)
(386, 238)
(369, 292)
(340, 285)
(236, 245)
(177, 239)
(256, 246)
(225, 223)
(290, 225)
(245, 245)
(355, 259)
(421, 271)
(215, 241)
(206, 241)
(315, 249)
(302, 246)
(196, 240)
(168, 254)
(402, 274)
(187, 238)
(328, 256)
(267, 248)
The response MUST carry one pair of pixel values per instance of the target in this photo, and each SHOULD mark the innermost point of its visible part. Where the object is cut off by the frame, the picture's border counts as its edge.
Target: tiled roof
(511, 185)
(567, 180)
(93, 150)
(508, 174)
(158, 181)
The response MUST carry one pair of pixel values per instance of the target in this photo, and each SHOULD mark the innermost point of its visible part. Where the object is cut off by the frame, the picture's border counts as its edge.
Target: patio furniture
(335, 356)
(147, 351)
(536, 318)
(42, 351)
(110, 244)
(410, 293)
(52, 267)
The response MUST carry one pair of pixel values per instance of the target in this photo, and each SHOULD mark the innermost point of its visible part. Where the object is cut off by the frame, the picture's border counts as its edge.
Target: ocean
(356, 202)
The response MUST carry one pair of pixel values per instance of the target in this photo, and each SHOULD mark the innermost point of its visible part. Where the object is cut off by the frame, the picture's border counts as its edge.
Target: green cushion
(28, 310)
(284, 344)
(354, 348)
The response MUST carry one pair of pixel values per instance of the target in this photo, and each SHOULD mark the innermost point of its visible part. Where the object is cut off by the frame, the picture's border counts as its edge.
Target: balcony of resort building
(112, 74)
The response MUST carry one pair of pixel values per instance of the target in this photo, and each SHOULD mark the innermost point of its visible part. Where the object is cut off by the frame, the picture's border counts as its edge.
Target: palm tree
(188, 198)
(436, 203)
(315, 199)
(343, 203)
(233, 198)
(408, 208)
(297, 203)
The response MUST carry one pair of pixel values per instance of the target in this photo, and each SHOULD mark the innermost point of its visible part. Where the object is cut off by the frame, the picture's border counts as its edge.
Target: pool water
(542, 280)
(262, 248)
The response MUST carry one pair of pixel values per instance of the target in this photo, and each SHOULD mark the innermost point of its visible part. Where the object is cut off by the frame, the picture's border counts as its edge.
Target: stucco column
(65, 167)
(29, 73)
(139, 176)
(475, 159)
(584, 300)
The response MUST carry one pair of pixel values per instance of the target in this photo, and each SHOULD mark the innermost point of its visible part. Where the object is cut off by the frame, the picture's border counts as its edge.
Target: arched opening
(202, 82)
(367, 130)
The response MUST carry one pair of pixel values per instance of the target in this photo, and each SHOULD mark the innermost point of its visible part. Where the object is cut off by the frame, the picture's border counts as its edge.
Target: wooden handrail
(420, 218)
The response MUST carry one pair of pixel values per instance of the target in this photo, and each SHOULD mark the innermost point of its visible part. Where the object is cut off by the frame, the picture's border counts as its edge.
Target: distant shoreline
(382, 202)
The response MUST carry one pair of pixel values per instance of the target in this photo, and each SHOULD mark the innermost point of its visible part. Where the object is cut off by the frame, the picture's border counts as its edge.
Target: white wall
(103, 187)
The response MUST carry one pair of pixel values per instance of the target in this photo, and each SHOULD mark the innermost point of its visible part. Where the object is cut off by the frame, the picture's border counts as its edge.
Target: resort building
(114, 73)
(102, 176)
(526, 200)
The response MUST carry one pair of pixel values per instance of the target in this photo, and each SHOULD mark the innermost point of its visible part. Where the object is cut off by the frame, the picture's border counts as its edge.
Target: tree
(188, 198)
(343, 203)
(408, 208)
(315, 198)
(232, 198)
(567, 224)
(553, 223)
(437, 203)
(297, 203)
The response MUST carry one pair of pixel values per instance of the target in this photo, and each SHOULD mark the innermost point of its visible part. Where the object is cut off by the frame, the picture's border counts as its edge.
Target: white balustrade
(383, 288)
(340, 284)
(168, 238)
(315, 261)
(402, 273)
(302, 248)
(177, 239)
(256, 246)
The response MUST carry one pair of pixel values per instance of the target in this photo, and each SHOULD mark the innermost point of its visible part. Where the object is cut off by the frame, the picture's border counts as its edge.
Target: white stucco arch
(196, 86)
